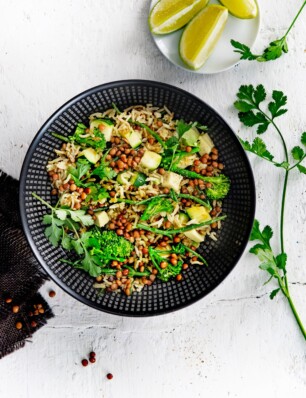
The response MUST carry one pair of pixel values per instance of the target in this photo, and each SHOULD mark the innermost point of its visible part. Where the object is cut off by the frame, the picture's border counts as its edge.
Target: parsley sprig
(250, 106)
(275, 49)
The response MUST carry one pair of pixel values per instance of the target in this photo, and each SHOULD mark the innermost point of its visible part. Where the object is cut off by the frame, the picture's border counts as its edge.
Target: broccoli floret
(220, 187)
(156, 206)
(107, 246)
(170, 271)
(220, 184)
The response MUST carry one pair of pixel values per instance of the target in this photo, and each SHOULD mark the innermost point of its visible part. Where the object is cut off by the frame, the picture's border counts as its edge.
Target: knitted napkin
(22, 309)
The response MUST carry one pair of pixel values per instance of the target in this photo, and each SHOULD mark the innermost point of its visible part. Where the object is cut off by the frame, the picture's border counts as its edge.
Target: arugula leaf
(297, 153)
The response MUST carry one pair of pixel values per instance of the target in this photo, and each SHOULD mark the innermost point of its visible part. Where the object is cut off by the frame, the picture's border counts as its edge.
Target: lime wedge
(201, 35)
(244, 9)
(170, 15)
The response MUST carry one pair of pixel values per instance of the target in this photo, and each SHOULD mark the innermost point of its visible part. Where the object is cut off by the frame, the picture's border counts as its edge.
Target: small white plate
(223, 56)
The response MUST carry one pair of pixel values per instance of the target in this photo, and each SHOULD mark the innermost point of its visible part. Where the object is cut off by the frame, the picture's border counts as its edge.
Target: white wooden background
(234, 343)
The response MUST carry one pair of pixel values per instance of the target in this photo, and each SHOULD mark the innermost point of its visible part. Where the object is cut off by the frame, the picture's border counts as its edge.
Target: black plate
(221, 255)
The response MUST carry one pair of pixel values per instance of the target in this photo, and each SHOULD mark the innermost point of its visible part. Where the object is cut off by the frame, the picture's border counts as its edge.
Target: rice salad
(137, 192)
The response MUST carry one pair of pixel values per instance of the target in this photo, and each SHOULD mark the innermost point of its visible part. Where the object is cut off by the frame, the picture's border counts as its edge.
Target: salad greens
(249, 105)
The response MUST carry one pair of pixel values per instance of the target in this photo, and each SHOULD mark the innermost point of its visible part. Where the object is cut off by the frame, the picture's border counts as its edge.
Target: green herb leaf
(104, 171)
(54, 232)
(91, 265)
(171, 142)
(297, 153)
(285, 165)
(80, 216)
(47, 219)
(258, 147)
(66, 241)
(274, 293)
(301, 169)
(77, 246)
(251, 118)
(243, 50)
(281, 261)
(61, 214)
(303, 138)
(275, 106)
(182, 127)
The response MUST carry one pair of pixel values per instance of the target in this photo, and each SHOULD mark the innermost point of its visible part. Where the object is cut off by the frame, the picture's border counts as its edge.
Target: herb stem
(42, 201)
(294, 20)
(189, 227)
(296, 315)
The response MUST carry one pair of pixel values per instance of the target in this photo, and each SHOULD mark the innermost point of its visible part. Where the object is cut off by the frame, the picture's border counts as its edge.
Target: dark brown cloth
(20, 274)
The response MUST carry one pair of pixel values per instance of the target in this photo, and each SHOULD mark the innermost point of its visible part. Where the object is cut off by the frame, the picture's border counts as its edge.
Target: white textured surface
(235, 342)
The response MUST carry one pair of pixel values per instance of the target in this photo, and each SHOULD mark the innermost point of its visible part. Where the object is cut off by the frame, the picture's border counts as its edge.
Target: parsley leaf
(275, 50)
(274, 293)
(303, 138)
(93, 140)
(258, 147)
(243, 50)
(172, 142)
(54, 231)
(297, 153)
(275, 106)
(66, 241)
(301, 169)
(263, 251)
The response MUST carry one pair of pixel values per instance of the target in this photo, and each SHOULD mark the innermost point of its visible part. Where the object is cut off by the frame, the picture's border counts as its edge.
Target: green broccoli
(156, 206)
(220, 184)
(168, 272)
(107, 246)
(220, 187)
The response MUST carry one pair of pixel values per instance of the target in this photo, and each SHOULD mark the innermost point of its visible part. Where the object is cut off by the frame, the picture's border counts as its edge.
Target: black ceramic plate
(222, 255)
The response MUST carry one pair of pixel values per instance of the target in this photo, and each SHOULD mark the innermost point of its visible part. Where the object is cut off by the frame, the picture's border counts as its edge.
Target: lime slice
(201, 35)
(170, 15)
(244, 9)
